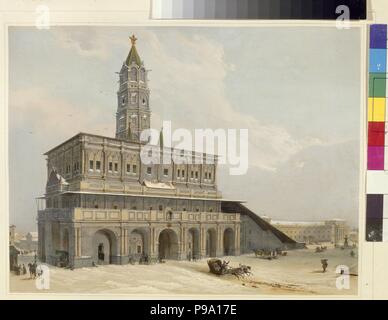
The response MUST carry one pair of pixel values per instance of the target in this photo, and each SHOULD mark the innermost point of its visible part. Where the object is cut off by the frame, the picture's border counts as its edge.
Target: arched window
(142, 75)
(169, 215)
(133, 74)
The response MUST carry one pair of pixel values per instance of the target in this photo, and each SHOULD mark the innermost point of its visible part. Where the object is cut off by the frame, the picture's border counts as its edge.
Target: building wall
(333, 231)
(81, 232)
(90, 157)
(131, 202)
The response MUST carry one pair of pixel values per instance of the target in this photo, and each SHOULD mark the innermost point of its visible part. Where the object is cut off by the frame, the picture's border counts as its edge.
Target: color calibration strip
(256, 9)
(377, 202)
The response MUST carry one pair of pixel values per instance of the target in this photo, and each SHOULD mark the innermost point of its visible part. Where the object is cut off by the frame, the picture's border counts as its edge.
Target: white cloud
(189, 88)
(84, 42)
(54, 119)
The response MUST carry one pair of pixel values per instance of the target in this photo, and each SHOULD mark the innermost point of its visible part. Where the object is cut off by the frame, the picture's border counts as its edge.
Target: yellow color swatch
(376, 109)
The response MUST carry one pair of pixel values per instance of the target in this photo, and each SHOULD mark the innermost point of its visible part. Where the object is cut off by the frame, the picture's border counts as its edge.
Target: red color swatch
(376, 133)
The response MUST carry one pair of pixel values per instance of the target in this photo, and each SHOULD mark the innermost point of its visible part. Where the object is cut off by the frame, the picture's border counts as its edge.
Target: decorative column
(122, 241)
(41, 242)
(237, 240)
(202, 237)
(152, 244)
(60, 230)
(220, 244)
(48, 241)
(182, 247)
(126, 251)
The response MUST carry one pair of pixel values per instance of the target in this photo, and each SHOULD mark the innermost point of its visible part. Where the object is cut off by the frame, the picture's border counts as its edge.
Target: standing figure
(101, 255)
(324, 264)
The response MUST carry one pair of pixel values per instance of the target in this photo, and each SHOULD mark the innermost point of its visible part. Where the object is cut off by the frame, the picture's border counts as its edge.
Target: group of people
(21, 269)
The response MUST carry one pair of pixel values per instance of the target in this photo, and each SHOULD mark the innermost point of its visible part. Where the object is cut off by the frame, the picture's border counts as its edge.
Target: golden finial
(133, 39)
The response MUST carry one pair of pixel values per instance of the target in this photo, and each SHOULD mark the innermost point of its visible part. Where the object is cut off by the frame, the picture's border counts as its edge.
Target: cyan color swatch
(378, 60)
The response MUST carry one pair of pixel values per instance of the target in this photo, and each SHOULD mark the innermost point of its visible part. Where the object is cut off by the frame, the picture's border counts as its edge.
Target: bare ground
(298, 273)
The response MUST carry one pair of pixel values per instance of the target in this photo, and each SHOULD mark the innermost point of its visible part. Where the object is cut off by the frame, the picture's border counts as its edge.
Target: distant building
(12, 234)
(353, 236)
(29, 242)
(333, 231)
(13, 251)
(13, 257)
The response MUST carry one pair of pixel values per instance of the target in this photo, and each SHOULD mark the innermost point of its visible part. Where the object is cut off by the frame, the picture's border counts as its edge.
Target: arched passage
(228, 242)
(168, 244)
(211, 243)
(104, 246)
(193, 244)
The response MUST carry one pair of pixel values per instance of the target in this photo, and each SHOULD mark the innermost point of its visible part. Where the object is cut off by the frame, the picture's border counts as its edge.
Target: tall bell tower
(133, 112)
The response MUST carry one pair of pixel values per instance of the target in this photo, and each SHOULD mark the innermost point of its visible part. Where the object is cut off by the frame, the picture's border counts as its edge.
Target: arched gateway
(211, 243)
(193, 244)
(168, 244)
(104, 246)
(229, 242)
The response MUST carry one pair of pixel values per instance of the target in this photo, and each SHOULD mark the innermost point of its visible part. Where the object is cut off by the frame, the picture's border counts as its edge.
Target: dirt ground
(298, 273)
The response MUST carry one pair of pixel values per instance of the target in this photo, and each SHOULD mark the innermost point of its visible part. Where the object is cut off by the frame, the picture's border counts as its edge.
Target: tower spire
(133, 56)
(133, 39)
(133, 114)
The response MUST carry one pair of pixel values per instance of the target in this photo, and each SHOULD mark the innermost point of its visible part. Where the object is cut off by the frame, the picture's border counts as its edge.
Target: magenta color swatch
(375, 158)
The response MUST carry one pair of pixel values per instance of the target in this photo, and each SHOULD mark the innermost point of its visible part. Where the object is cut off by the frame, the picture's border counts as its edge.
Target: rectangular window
(196, 174)
(116, 167)
(165, 172)
(133, 98)
(128, 168)
(205, 175)
(149, 170)
(179, 173)
(134, 168)
(91, 164)
(192, 174)
(110, 166)
(210, 175)
(183, 173)
(98, 165)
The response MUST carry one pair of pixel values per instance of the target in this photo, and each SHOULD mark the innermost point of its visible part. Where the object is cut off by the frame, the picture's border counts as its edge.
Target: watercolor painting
(184, 161)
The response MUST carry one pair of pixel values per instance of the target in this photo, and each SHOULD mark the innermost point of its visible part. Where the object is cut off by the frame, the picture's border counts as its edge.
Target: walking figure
(324, 264)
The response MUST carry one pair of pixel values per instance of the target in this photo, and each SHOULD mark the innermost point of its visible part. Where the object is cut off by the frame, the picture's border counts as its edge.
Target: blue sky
(296, 90)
